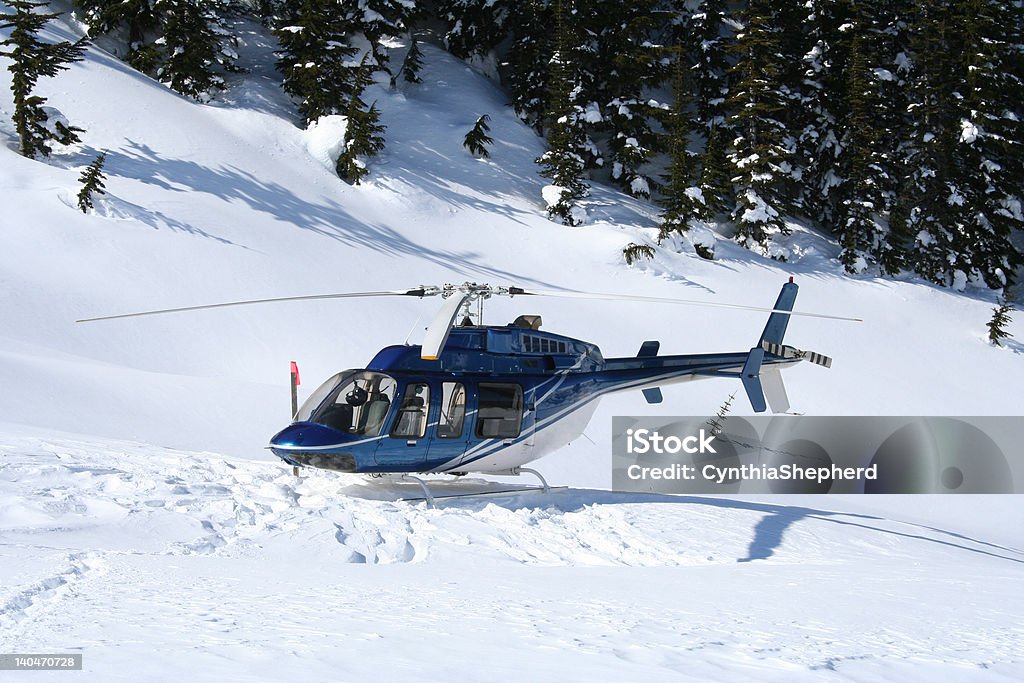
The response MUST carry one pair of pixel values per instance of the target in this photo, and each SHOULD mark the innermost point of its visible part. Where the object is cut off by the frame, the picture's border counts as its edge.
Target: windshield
(351, 402)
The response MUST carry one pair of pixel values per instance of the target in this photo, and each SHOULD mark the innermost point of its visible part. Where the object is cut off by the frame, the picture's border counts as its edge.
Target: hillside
(234, 201)
(136, 495)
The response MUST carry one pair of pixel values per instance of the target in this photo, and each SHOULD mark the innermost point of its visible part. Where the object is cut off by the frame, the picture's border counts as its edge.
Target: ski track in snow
(132, 553)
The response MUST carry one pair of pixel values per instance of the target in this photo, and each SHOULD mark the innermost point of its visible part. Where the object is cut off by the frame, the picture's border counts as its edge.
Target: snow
(968, 131)
(143, 523)
(696, 194)
(325, 139)
(757, 210)
(164, 561)
(552, 194)
(639, 187)
(592, 114)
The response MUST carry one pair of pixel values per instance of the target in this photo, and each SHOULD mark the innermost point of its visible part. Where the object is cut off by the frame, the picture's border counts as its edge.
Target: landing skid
(430, 497)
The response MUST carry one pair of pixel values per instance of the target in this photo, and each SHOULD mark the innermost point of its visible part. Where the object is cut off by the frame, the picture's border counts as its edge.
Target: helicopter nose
(306, 434)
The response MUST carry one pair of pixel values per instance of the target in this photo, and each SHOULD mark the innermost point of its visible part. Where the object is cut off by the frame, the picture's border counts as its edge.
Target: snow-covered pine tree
(477, 139)
(316, 57)
(564, 162)
(93, 182)
(680, 199)
(1000, 319)
(195, 47)
(989, 145)
(763, 151)
(822, 121)
(364, 134)
(183, 43)
(32, 59)
(862, 166)
(138, 18)
(702, 27)
(933, 185)
(413, 62)
(379, 20)
(888, 47)
(715, 183)
(475, 27)
(529, 60)
(620, 70)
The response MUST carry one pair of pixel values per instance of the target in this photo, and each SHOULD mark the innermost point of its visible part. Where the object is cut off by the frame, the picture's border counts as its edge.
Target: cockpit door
(454, 422)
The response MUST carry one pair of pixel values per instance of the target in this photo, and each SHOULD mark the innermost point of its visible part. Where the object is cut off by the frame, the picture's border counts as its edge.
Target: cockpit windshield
(351, 402)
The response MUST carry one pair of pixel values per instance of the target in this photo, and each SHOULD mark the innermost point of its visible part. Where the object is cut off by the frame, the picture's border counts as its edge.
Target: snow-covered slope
(212, 203)
(165, 564)
(144, 545)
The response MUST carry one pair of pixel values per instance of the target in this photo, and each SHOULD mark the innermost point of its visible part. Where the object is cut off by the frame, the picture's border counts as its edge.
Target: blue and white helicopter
(491, 399)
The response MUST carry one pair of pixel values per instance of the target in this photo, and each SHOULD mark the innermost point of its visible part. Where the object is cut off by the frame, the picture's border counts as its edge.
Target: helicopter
(492, 399)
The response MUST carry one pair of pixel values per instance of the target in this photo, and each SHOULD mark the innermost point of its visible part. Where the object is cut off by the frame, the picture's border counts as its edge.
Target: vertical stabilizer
(775, 330)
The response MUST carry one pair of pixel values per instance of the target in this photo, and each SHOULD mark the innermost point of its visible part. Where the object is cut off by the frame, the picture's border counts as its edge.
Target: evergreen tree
(477, 139)
(633, 252)
(1000, 319)
(32, 59)
(195, 47)
(93, 182)
(139, 18)
(707, 34)
(862, 169)
(715, 182)
(364, 134)
(379, 20)
(475, 27)
(763, 151)
(183, 43)
(824, 111)
(989, 144)
(933, 194)
(413, 62)
(316, 57)
(681, 200)
(619, 70)
(529, 71)
(564, 162)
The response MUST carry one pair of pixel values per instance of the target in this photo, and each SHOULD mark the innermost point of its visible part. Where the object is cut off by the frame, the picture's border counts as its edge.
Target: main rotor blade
(420, 292)
(569, 294)
(440, 326)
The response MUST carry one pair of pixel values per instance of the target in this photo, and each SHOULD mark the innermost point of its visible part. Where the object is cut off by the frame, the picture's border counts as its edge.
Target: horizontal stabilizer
(648, 349)
(653, 395)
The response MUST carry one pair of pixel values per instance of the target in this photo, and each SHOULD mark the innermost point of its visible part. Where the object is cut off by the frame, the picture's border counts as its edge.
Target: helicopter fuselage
(496, 399)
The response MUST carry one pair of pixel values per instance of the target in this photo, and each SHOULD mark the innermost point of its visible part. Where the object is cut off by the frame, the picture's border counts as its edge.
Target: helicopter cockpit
(352, 402)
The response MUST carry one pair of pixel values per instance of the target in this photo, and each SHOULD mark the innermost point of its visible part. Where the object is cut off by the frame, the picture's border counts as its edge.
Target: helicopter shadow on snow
(325, 218)
(769, 532)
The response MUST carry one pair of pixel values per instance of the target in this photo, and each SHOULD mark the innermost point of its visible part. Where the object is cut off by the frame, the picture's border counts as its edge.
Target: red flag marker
(295, 373)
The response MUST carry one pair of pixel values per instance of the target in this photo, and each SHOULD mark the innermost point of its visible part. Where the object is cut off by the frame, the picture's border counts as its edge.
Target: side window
(411, 422)
(453, 410)
(500, 411)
